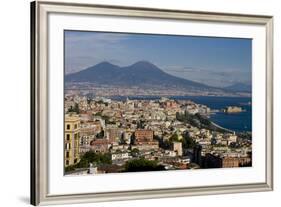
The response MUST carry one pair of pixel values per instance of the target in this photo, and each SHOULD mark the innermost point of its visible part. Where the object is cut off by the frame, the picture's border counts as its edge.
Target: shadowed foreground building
(197, 157)
(215, 161)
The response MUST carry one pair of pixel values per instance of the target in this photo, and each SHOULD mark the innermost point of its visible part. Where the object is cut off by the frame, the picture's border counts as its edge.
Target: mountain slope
(239, 87)
(142, 74)
(100, 73)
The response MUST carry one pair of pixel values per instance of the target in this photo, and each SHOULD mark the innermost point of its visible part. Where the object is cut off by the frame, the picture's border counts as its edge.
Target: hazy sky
(209, 60)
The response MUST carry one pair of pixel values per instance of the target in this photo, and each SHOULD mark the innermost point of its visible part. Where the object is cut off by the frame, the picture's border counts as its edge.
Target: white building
(177, 147)
(120, 156)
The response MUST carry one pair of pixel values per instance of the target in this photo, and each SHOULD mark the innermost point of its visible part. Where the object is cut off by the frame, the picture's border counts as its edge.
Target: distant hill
(239, 87)
(141, 74)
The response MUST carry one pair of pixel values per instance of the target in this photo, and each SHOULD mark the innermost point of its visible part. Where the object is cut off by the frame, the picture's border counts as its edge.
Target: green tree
(141, 165)
(187, 141)
(74, 109)
(174, 138)
(100, 134)
(98, 114)
(92, 157)
(135, 152)
(198, 120)
(69, 168)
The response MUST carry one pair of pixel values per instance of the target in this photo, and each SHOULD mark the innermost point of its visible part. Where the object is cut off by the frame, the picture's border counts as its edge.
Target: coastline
(238, 122)
(222, 128)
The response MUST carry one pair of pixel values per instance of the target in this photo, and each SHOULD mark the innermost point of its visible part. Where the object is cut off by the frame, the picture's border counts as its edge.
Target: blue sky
(209, 60)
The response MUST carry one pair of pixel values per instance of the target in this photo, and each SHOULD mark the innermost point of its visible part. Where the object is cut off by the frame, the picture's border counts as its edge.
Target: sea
(238, 122)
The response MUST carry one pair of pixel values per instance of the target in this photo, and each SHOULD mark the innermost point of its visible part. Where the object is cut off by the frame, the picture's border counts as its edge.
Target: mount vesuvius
(141, 74)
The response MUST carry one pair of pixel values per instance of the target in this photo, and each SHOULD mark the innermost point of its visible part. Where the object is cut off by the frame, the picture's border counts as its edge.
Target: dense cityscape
(107, 135)
(147, 102)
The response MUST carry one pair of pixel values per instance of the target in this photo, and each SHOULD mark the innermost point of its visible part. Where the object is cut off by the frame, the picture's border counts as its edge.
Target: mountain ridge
(142, 74)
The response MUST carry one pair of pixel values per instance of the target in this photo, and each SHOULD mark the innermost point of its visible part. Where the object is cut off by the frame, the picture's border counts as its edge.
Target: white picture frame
(42, 65)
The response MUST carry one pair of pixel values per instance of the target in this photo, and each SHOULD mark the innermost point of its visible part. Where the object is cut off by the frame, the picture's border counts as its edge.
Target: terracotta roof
(99, 141)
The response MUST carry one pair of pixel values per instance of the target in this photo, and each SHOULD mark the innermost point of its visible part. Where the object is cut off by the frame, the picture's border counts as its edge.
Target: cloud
(77, 37)
(84, 49)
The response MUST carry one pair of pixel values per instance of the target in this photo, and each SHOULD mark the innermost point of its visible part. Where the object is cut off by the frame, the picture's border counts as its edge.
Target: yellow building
(71, 139)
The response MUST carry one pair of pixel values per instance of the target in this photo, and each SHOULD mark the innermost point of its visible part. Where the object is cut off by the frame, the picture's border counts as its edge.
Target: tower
(71, 139)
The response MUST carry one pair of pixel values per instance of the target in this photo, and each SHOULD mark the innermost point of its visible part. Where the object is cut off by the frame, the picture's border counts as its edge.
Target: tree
(118, 151)
(135, 152)
(89, 101)
(198, 120)
(174, 138)
(141, 165)
(100, 135)
(213, 141)
(166, 144)
(98, 114)
(75, 108)
(106, 119)
(69, 168)
(232, 145)
(140, 124)
(187, 141)
(92, 157)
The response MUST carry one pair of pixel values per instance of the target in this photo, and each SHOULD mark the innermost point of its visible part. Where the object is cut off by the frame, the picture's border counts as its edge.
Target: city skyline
(206, 60)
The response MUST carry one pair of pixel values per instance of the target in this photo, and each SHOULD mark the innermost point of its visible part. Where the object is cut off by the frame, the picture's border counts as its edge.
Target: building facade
(100, 145)
(143, 135)
(216, 161)
(177, 147)
(71, 139)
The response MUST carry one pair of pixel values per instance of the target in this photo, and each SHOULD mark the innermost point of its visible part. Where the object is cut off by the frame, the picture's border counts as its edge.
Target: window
(67, 154)
(68, 126)
(75, 126)
(67, 137)
(67, 146)
(67, 162)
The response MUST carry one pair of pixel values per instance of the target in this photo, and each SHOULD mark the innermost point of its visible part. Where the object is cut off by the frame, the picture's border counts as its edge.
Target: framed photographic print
(135, 103)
